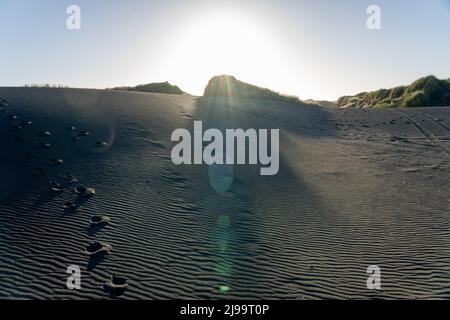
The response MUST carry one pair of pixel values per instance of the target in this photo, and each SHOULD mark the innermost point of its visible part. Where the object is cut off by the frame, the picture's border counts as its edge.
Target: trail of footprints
(96, 250)
(356, 128)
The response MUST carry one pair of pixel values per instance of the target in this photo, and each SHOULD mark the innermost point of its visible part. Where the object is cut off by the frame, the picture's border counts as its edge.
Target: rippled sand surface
(355, 188)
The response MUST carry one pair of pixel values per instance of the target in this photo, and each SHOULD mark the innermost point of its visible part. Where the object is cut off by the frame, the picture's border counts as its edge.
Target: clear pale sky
(318, 49)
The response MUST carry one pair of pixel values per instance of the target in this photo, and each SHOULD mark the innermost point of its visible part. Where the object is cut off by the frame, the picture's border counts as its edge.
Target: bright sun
(224, 43)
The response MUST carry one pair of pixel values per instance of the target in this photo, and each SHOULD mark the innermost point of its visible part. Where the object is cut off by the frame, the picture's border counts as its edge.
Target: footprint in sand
(100, 144)
(99, 220)
(56, 162)
(70, 178)
(42, 133)
(83, 133)
(56, 187)
(116, 285)
(43, 145)
(85, 192)
(98, 248)
(70, 206)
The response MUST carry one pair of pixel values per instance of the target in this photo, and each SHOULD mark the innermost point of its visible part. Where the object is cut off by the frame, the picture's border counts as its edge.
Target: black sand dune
(355, 188)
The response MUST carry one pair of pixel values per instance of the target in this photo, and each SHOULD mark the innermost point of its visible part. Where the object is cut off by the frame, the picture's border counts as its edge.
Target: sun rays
(225, 42)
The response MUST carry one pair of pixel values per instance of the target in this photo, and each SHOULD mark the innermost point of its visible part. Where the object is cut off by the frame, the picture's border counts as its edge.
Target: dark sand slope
(355, 188)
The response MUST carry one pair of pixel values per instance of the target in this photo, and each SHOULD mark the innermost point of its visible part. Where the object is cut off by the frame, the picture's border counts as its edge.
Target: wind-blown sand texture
(355, 188)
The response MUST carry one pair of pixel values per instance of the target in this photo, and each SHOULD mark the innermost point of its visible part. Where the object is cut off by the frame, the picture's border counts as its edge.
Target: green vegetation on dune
(157, 87)
(321, 103)
(45, 85)
(229, 86)
(425, 92)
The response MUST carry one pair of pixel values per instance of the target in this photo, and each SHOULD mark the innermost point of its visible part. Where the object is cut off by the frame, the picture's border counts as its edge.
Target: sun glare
(224, 43)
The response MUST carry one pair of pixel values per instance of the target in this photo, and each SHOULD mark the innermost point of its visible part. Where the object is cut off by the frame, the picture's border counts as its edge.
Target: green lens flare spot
(224, 221)
(223, 247)
(224, 289)
(223, 268)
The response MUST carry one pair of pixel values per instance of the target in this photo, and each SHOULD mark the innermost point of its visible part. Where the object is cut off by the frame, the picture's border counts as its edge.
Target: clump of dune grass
(229, 86)
(424, 92)
(156, 87)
